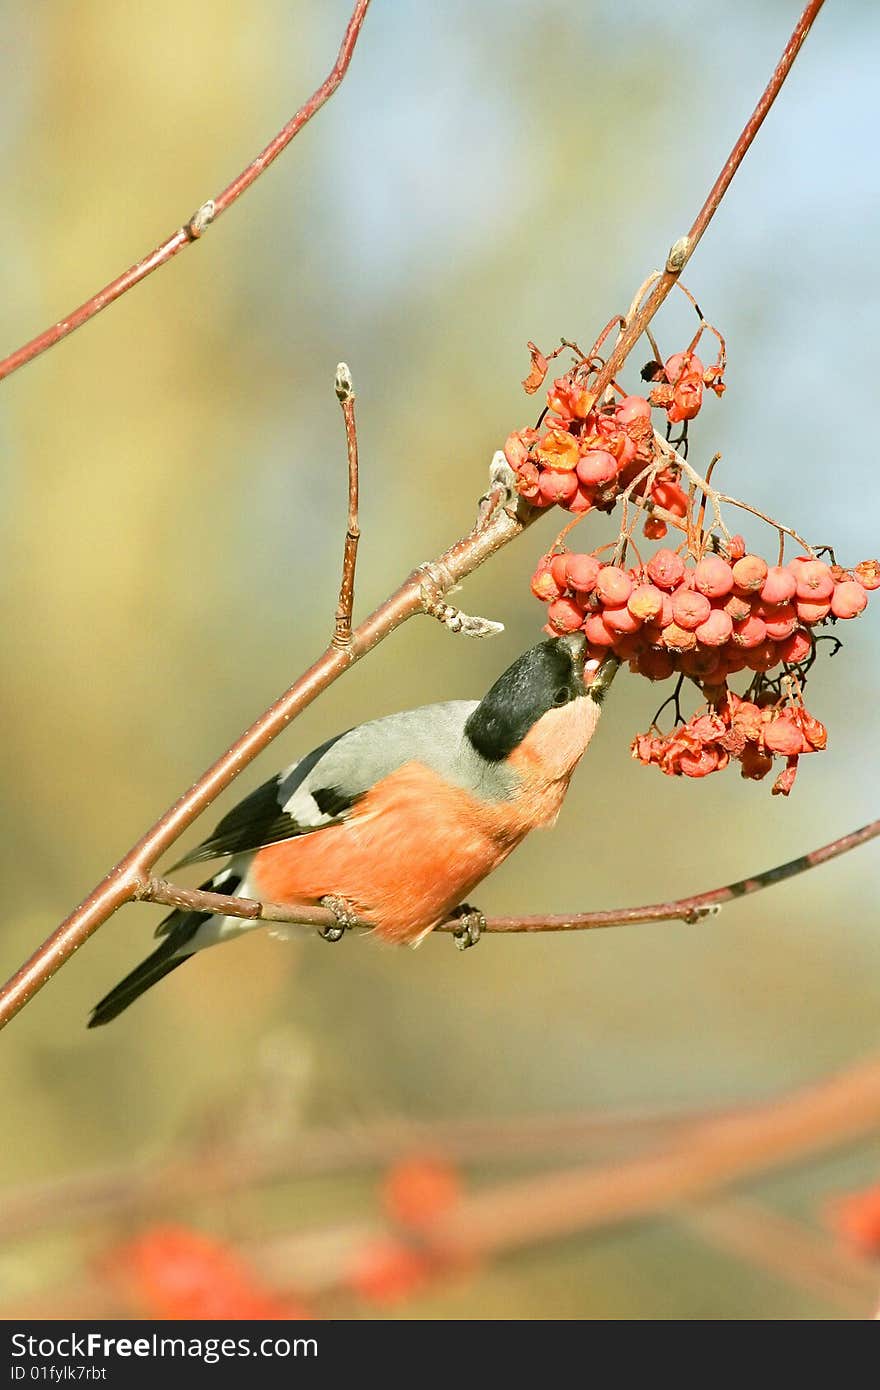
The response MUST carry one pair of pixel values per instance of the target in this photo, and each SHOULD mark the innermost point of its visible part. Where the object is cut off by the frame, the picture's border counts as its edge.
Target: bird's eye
(562, 696)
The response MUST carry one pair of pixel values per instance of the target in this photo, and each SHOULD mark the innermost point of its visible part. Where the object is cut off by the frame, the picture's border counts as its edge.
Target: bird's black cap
(543, 678)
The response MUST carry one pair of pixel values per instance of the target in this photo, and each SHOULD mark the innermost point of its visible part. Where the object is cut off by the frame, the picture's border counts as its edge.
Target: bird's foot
(345, 917)
(470, 926)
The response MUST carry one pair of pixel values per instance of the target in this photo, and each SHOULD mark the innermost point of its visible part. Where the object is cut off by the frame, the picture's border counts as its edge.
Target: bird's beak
(598, 687)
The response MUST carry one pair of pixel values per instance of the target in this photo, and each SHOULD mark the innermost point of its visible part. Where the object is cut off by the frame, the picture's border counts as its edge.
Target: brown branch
(422, 592)
(193, 229)
(693, 909)
(345, 392)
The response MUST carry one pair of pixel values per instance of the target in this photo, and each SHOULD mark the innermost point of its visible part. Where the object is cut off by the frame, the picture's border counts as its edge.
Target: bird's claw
(470, 924)
(345, 917)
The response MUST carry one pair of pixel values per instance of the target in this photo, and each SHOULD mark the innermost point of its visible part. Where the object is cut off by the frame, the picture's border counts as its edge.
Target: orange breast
(413, 848)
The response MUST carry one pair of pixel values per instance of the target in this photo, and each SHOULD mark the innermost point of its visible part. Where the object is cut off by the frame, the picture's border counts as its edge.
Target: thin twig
(693, 909)
(209, 211)
(130, 878)
(345, 393)
(684, 248)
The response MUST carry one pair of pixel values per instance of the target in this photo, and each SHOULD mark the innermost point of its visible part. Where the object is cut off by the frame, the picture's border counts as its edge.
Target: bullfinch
(396, 821)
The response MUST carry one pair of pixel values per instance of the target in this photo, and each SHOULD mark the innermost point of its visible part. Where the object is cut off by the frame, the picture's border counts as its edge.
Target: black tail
(178, 928)
(149, 972)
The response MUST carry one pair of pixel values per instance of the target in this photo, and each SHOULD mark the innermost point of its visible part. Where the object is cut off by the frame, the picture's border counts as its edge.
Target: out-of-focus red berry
(416, 1190)
(856, 1217)
(387, 1271)
(654, 529)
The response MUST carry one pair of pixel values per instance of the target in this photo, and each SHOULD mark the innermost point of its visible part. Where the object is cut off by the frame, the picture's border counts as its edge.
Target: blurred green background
(174, 491)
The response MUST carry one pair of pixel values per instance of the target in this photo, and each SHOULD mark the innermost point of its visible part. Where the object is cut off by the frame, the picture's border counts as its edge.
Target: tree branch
(194, 228)
(693, 909)
(129, 880)
(345, 392)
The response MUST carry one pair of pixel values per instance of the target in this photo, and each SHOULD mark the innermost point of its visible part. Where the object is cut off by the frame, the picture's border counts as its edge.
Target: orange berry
(749, 573)
(416, 1190)
(738, 608)
(867, 572)
(543, 584)
(848, 599)
(613, 585)
(558, 449)
(646, 603)
(736, 548)
(678, 639)
(666, 569)
(620, 619)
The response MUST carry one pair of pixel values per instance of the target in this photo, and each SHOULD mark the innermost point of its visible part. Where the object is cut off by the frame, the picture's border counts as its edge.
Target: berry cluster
(749, 732)
(709, 620)
(585, 455)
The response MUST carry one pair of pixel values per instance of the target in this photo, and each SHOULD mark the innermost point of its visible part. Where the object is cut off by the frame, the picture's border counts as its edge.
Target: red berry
(656, 665)
(666, 569)
(557, 569)
(563, 615)
(596, 467)
(654, 529)
(751, 632)
(813, 611)
(613, 585)
(632, 408)
(597, 634)
(714, 576)
(736, 548)
(848, 599)
(582, 501)
(689, 608)
(681, 362)
(763, 657)
(781, 621)
(783, 736)
(716, 630)
(779, 586)
(581, 572)
(556, 487)
(620, 619)
(813, 579)
(796, 648)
